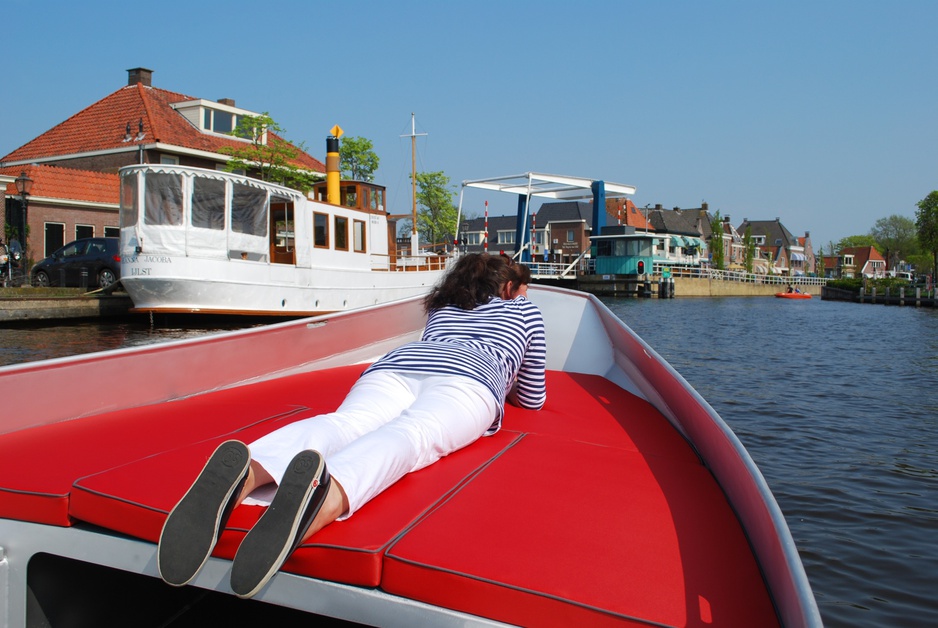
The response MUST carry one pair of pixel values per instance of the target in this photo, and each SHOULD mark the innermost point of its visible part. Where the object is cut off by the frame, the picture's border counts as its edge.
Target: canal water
(836, 402)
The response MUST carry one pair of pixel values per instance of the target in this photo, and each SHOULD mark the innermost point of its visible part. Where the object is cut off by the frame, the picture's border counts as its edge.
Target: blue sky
(822, 113)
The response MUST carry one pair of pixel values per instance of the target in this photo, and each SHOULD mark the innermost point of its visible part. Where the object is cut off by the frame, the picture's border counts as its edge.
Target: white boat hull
(207, 286)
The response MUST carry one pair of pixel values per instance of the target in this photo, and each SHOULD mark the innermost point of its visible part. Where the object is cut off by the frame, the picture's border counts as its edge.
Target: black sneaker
(194, 525)
(280, 530)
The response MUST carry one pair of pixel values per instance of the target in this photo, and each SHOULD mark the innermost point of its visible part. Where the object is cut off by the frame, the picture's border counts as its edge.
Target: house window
(358, 235)
(341, 233)
(55, 237)
(473, 238)
(112, 232)
(219, 121)
(170, 160)
(506, 237)
(84, 231)
(320, 230)
(571, 235)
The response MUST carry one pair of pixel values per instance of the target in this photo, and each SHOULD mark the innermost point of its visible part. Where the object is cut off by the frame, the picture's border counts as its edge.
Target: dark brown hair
(474, 279)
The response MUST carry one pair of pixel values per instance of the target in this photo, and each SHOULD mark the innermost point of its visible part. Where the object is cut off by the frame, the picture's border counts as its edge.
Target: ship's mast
(414, 238)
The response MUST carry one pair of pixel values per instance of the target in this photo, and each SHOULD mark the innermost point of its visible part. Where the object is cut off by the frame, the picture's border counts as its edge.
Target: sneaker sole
(192, 527)
(271, 541)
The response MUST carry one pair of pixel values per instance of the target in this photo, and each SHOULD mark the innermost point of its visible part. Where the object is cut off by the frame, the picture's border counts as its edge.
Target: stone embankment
(33, 304)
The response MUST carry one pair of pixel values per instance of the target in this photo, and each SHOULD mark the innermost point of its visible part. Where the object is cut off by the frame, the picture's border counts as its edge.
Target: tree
(926, 221)
(357, 159)
(717, 249)
(896, 235)
(856, 240)
(750, 249)
(436, 214)
(268, 154)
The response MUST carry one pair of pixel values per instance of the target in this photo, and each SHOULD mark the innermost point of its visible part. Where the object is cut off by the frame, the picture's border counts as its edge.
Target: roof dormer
(215, 118)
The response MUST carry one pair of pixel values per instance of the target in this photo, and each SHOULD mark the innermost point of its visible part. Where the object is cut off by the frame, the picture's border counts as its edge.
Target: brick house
(74, 165)
(787, 254)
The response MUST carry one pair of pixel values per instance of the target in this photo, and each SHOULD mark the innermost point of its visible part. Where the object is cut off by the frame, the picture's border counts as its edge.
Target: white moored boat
(626, 500)
(195, 240)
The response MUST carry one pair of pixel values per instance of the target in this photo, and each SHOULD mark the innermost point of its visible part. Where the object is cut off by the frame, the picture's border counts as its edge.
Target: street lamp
(24, 185)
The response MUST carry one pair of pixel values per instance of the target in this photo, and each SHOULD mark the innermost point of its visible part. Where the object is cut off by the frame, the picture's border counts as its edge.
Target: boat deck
(592, 510)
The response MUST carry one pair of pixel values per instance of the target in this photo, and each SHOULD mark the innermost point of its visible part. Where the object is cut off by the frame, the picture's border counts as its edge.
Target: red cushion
(135, 499)
(662, 544)
(39, 465)
(590, 408)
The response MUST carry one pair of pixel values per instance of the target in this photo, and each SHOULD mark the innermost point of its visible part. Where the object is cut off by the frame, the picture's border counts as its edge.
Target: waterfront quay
(897, 296)
(18, 305)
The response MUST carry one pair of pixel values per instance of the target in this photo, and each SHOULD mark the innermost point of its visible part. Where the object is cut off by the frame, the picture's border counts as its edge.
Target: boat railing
(403, 263)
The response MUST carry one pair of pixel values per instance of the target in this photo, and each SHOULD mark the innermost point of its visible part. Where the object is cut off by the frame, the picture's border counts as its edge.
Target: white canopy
(549, 186)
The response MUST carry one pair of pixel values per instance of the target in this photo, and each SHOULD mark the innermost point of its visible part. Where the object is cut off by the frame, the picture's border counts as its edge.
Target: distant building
(786, 254)
(74, 165)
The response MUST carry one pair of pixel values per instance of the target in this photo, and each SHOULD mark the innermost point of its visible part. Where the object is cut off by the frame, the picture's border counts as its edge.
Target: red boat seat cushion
(39, 465)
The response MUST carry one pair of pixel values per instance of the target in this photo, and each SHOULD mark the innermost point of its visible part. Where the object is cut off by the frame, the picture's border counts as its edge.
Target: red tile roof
(863, 254)
(101, 127)
(66, 183)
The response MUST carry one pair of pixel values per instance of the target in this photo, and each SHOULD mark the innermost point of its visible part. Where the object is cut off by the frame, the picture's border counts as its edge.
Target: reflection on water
(836, 403)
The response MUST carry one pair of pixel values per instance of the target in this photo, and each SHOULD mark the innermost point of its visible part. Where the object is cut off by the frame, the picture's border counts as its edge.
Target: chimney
(139, 75)
(726, 219)
(705, 206)
(226, 101)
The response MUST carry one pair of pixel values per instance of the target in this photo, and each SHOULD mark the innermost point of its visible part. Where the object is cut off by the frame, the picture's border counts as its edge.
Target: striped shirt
(500, 344)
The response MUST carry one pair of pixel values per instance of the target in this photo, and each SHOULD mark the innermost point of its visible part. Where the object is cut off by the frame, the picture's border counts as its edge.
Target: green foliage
(267, 155)
(852, 284)
(895, 237)
(856, 240)
(750, 249)
(926, 222)
(717, 251)
(357, 159)
(922, 263)
(436, 213)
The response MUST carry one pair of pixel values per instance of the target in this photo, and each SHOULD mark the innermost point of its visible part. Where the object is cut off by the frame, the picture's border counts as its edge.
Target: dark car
(87, 262)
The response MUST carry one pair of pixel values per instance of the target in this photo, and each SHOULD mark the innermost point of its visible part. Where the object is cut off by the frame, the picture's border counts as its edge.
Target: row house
(856, 261)
(73, 166)
(679, 237)
(784, 253)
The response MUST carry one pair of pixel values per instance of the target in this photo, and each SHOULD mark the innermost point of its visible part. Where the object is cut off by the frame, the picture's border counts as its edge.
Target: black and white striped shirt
(494, 344)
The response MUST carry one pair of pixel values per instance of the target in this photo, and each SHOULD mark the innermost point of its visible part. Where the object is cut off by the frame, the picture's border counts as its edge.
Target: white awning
(798, 257)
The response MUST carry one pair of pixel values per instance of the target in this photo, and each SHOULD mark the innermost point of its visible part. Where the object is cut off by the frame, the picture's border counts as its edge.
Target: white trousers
(389, 425)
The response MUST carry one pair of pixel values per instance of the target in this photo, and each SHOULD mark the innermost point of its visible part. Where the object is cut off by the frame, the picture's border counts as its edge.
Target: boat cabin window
(208, 203)
(248, 209)
(320, 230)
(128, 213)
(341, 233)
(375, 199)
(348, 195)
(163, 199)
(356, 194)
(358, 236)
